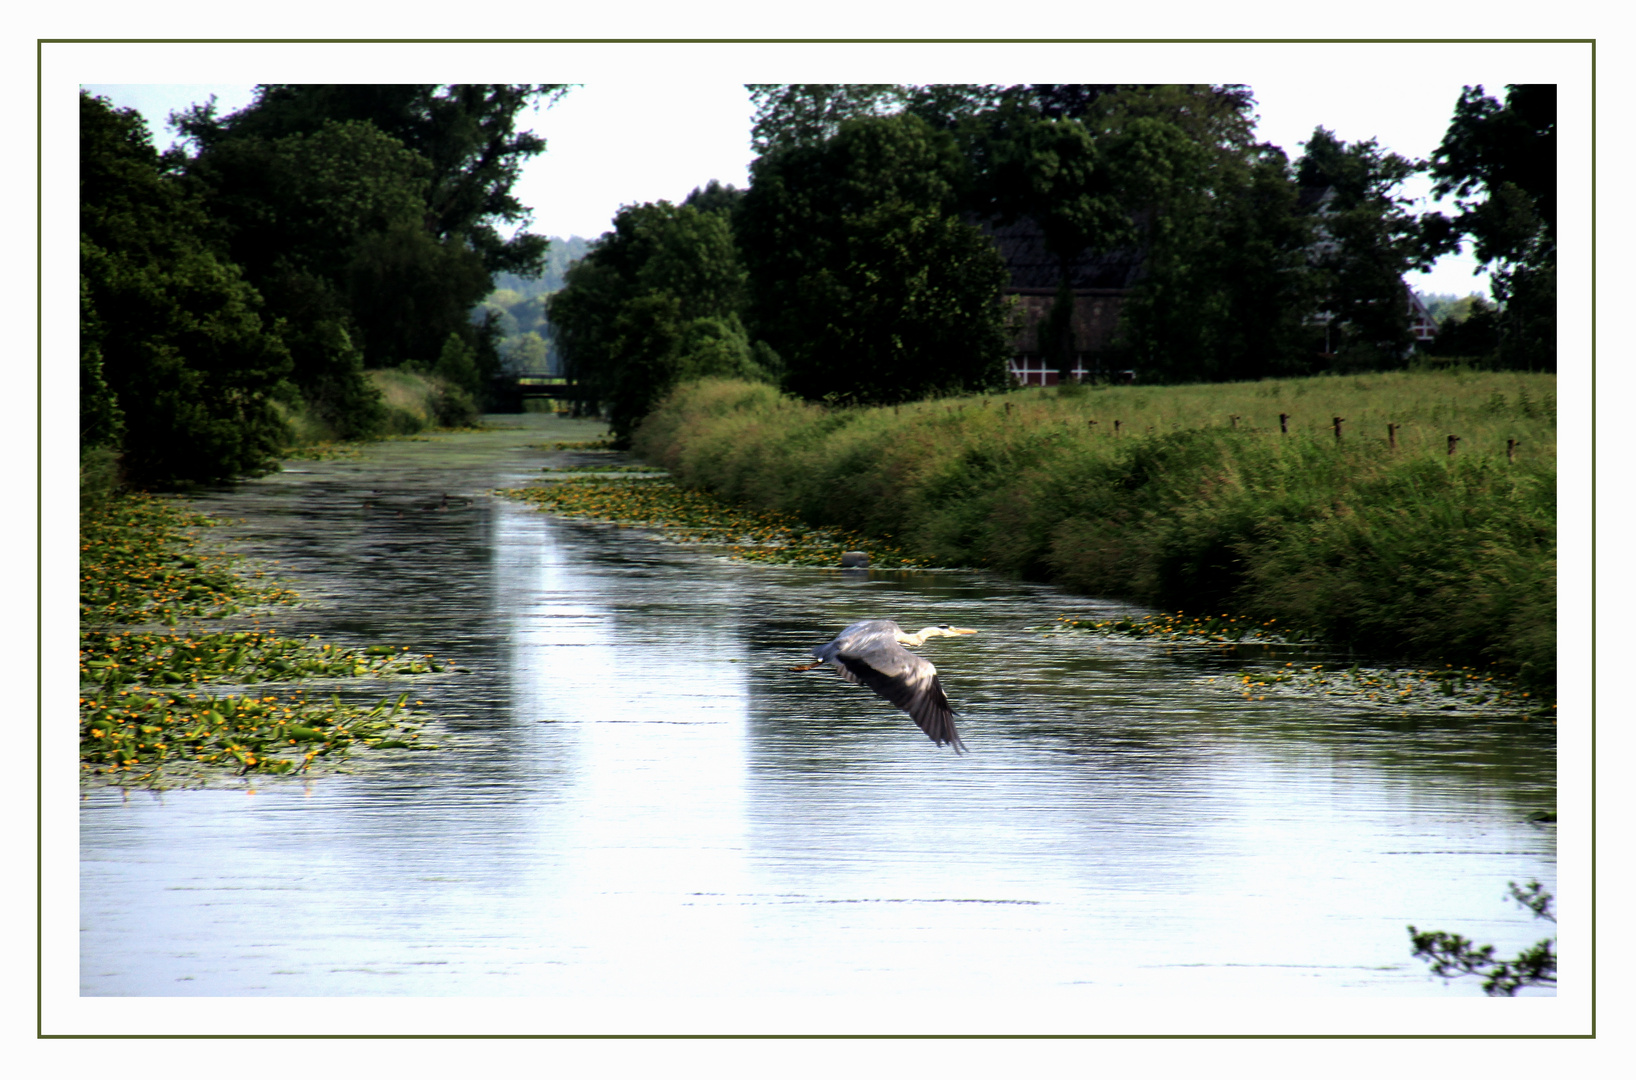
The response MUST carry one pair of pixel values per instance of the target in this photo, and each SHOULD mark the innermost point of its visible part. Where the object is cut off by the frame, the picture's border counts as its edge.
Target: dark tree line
(319, 231)
(861, 273)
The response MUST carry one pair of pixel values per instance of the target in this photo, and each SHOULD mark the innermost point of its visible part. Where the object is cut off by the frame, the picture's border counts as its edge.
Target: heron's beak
(960, 630)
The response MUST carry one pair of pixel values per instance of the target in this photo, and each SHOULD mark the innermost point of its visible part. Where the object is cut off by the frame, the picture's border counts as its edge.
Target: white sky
(644, 134)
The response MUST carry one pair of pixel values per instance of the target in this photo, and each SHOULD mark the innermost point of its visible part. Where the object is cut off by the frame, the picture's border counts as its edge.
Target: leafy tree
(527, 352)
(370, 216)
(1369, 240)
(177, 367)
(102, 422)
(1468, 326)
(457, 364)
(1507, 155)
(1255, 260)
(715, 197)
(1050, 170)
(656, 301)
(863, 279)
(1216, 218)
(950, 106)
(1452, 956)
(808, 114)
(465, 133)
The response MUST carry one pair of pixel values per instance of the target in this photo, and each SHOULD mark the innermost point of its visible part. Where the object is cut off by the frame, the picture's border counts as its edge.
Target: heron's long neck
(918, 639)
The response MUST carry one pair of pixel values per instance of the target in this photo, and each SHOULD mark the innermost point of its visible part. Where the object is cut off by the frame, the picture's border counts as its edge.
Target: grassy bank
(147, 711)
(1200, 502)
(411, 401)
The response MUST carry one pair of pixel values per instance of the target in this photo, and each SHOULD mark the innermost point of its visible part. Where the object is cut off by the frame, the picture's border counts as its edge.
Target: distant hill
(527, 345)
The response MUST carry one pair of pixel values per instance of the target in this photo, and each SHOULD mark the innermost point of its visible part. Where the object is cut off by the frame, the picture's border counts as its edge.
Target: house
(1317, 201)
(1421, 322)
(1100, 284)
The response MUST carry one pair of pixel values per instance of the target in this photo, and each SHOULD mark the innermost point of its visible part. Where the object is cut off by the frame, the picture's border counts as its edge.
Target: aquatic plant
(1448, 688)
(141, 563)
(119, 659)
(696, 517)
(133, 735)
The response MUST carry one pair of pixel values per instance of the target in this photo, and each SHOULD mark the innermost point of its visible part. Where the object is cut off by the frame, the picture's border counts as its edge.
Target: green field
(1404, 551)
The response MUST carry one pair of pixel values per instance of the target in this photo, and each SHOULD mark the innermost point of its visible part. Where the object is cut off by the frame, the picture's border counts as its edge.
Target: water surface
(639, 798)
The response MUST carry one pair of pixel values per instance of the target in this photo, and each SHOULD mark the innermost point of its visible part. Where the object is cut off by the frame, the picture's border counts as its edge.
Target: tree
(1470, 328)
(1253, 268)
(1507, 155)
(808, 114)
(327, 223)
(1215, 217)
(466, 133)
(715, 197)
(177, 367)
(370, 216)
(1452, 956)
(863, 278)
(1050, 170)
(1368, 241)
(527, 352)
(656, 301)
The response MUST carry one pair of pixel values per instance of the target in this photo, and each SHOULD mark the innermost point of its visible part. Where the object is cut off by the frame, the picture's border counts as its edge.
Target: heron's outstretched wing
(906, 680)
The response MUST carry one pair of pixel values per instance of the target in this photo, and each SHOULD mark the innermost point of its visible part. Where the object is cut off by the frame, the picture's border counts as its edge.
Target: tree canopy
(1368, 240)
(655, 301)
(371, 217)
(1499, 161)
(863, 277)
(289, 245)
(178, 369)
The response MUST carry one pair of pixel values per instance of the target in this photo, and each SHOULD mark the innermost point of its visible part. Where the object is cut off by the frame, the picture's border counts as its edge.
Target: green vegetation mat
(1447, 688)
(700, 518)
(141, 722)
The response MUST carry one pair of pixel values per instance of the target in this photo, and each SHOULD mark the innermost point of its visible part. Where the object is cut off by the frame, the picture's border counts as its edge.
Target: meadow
(1381, 534)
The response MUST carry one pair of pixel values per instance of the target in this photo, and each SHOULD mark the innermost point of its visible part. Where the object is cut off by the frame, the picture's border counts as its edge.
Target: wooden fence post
(1116, 427)
(1452, 440)
(1391, 436)
(1338, 421)
(1511, 450)
(1234, 419)
(1283, 423)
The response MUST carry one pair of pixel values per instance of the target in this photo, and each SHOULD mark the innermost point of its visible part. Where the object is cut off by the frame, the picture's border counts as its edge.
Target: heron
(871, 653)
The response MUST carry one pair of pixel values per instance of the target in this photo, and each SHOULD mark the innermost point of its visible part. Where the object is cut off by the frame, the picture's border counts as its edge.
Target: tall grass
(416, 400)
(1406, 551)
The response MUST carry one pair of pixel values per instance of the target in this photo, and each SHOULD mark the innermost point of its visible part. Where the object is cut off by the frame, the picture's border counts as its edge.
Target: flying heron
(871, 653)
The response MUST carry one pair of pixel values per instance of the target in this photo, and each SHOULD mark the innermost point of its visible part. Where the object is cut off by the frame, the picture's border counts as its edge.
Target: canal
(635, 796)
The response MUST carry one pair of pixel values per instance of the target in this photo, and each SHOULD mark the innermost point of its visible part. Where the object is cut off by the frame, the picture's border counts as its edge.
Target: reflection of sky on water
(640, 798)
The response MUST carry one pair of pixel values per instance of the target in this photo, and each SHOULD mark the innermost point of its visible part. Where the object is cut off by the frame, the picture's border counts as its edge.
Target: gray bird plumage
(872, 653)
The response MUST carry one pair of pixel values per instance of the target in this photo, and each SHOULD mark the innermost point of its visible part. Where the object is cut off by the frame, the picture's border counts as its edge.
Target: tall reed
(1379, 540)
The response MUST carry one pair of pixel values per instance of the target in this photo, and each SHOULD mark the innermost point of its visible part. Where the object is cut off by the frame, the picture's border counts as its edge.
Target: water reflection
(640, 798)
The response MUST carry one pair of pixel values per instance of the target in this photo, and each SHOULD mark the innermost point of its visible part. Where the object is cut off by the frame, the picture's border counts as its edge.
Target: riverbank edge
(1394, 556)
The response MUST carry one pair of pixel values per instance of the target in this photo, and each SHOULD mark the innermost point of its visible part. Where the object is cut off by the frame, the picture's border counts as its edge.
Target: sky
(619, 141)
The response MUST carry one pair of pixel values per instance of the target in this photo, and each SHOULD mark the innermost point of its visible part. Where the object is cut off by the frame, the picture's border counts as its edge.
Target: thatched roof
(1033, 266)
